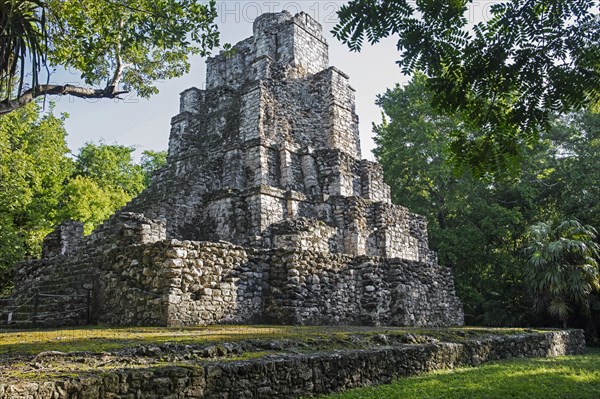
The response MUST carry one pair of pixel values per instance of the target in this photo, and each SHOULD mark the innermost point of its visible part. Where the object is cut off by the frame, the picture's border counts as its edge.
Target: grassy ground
(99, 339)
(569, 377)
(50, 354)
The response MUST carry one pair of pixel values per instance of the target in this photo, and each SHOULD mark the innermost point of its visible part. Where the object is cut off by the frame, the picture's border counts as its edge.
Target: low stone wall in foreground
(291, 376)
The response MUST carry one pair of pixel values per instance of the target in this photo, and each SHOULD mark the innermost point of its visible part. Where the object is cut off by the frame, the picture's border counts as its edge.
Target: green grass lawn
(569, 377)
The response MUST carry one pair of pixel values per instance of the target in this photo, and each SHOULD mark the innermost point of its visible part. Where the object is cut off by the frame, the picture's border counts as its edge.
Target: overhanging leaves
(503, 77)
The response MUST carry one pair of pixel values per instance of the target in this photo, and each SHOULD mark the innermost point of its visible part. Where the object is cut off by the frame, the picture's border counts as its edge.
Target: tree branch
(27, 96)
(119, 61)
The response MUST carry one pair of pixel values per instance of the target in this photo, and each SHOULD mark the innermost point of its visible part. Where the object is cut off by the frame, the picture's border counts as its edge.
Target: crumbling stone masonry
(295, 375)
(265, 212)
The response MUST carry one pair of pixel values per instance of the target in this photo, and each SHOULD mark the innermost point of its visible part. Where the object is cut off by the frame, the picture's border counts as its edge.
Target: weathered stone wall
(62, 288)
(136, 277)
(335, 289)
(197, 283)
(179, 283)
(213, 283)
(257, 148)
(64, 240)
(282, 43)
(292, 376)
(54, 286)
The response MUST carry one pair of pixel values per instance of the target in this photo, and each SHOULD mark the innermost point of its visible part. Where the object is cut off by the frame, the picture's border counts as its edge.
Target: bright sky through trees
(146, 123)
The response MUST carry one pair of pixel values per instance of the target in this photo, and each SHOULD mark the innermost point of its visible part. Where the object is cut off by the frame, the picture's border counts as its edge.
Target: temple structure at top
(274, 137)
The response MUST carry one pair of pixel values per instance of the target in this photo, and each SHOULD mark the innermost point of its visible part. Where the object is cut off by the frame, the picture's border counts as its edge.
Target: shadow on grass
(576, 377)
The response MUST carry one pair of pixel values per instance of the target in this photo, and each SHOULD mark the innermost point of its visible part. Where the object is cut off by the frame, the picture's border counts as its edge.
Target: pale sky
(146, 123)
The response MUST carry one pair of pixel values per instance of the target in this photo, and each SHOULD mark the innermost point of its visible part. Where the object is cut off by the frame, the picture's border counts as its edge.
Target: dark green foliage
(563, 269)
(576, 167)
(503, 79)
(152, 161)
(479, 226)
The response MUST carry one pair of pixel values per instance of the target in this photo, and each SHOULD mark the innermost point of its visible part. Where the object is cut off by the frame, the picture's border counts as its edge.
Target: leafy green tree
(110, 165)
(502, 78)
(89, 202)
(40, 185)
(479, 227)
(105, 179)
(152, 161)
(126, 45)
(34, 166)
(575, 165)
(563, 271)
(473, 224)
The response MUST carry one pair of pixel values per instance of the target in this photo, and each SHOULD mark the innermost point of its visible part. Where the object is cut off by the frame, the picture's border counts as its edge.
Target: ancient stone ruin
(265, 212)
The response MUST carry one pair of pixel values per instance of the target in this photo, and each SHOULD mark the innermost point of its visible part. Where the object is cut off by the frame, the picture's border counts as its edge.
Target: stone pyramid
(265, 212)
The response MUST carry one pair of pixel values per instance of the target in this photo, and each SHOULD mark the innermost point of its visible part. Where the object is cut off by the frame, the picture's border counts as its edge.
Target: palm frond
(559, 308)
(22, 38)
(563, 269)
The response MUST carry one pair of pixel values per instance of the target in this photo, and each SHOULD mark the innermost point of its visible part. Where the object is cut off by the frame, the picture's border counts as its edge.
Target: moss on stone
(100, 339)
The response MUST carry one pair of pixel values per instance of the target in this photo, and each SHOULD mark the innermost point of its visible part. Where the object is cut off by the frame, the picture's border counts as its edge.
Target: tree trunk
(26, 97)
